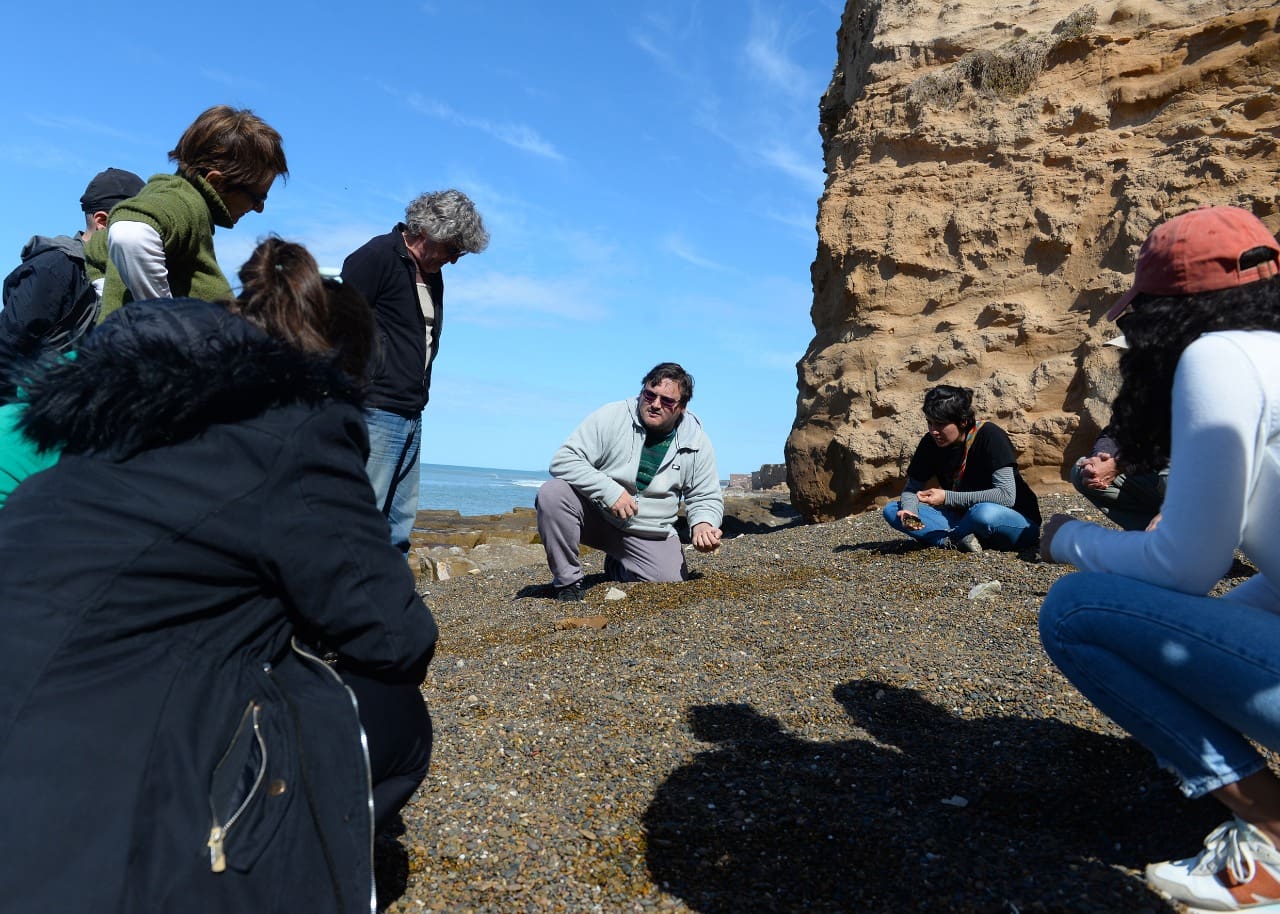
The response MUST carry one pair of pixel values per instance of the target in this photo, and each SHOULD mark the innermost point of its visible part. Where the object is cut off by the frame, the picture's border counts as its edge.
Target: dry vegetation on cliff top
(822, 720)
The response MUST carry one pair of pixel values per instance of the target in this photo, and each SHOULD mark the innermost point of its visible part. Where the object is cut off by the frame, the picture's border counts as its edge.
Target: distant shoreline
(482, 491)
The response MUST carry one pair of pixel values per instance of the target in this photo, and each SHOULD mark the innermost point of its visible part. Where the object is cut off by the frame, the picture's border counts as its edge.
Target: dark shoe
(570, 593)
(614, 570)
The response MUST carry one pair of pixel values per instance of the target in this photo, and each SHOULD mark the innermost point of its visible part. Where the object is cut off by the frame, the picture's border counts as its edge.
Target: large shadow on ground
(934, 813)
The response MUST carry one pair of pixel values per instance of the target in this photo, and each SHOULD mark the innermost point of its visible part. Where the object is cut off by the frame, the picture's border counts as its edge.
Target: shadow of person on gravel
(884, 547)
(547, 590)
(930, 812)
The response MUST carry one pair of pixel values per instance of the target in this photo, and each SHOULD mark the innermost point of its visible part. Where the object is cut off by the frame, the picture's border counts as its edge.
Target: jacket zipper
(219, 832)
(364, 751)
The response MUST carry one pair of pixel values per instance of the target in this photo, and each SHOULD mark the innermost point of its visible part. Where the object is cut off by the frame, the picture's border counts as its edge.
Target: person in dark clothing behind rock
(1128, 496)
(53, 296)
(980, 498)
(170, 738)
(399, 274)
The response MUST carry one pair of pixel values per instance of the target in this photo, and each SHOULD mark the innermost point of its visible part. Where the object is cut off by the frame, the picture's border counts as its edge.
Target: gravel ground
(821, 720)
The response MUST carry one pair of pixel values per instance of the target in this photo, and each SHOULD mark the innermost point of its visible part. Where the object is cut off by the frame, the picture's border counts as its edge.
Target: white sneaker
(1238, 870)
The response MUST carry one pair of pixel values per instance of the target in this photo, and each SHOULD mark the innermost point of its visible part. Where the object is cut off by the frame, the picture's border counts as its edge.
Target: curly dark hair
(1157, 329)
(946, 403)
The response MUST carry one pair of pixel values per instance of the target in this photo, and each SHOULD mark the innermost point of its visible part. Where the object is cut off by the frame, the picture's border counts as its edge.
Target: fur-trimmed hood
(163, 371)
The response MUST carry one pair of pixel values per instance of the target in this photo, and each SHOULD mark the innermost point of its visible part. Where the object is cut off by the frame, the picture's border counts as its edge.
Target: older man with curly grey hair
(399, 275)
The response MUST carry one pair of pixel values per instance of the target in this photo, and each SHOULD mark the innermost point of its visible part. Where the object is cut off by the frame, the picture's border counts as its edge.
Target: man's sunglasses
(667, 403)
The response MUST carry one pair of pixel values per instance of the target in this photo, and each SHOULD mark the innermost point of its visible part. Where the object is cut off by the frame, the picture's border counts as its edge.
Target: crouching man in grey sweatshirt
(618, 483)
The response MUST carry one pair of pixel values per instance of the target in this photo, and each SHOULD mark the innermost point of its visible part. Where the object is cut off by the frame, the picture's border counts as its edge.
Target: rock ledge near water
(446, 544)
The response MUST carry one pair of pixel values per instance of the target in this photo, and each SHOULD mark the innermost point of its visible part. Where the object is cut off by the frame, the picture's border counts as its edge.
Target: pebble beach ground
(822, 720)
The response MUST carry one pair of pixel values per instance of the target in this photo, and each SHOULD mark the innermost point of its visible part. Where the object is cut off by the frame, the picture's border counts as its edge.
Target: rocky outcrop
(992, 170)
(445, 544)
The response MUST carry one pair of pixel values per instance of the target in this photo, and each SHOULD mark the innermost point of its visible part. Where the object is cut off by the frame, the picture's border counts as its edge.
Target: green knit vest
(184, 209)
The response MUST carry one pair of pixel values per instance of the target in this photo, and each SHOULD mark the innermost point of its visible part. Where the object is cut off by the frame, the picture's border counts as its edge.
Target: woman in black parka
(169, 738)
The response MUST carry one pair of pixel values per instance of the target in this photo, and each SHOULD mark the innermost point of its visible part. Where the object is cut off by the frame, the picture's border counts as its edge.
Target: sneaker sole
(1265, 907)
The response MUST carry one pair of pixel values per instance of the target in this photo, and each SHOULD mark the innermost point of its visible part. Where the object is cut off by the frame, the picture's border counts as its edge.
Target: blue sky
(649, 174)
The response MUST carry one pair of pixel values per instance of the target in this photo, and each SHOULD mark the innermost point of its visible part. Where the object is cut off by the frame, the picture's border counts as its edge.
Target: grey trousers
(566, 519)
(1130, 501)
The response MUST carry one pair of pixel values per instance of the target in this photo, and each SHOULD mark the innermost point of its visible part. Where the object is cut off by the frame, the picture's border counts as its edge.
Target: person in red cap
(1194, 678)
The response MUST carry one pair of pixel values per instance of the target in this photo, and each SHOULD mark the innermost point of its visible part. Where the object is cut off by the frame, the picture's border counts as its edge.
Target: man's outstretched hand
(706, 538)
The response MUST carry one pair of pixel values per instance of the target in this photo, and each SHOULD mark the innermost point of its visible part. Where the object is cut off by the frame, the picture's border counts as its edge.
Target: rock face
(992, 170)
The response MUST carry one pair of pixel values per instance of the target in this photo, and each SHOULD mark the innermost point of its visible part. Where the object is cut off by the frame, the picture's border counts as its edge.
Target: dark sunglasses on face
(667, 403)
(257, 198)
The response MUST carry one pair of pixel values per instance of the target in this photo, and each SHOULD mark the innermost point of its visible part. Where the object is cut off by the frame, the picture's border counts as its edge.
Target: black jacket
(167, 741)
(383, 272)
(49, 300)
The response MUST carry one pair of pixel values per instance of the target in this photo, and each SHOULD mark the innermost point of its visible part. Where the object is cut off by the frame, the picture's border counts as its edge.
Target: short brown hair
(670, 371)
(234, 142)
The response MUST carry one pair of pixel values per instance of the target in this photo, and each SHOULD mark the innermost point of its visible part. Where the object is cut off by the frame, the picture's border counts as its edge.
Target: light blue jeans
(394, 443)
(993, 525)
(1187, 676)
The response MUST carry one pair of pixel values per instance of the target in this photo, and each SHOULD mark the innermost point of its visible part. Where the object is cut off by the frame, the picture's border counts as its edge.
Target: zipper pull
(217, 859)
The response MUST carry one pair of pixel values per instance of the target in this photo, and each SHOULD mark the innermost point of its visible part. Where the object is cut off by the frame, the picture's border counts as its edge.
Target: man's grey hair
(447, 217)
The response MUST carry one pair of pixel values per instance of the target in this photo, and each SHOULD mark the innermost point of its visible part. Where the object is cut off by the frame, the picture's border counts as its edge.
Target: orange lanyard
(968, 443)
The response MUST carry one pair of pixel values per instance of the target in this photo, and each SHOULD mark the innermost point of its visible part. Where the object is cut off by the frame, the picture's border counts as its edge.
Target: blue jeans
(394, 443)
(993, 525)
(1188, 676)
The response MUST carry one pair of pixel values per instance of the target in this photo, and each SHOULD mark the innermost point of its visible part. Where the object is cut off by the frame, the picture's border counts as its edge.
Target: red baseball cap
(1199, 251)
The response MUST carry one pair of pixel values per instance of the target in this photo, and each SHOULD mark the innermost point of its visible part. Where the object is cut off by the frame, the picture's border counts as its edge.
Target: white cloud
(674, 244)
(776, 96)
(766, 54)
(787, 159)
(41, 155)
(223, 78)
(520, 136)
(80, 126)
(805, 221)
(493, 298)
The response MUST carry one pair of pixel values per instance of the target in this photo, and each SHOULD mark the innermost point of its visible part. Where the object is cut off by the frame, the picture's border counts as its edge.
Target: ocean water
(478, 490)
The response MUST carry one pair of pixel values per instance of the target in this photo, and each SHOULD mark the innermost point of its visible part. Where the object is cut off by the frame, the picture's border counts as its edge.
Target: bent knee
(987, 514)
(552, 493)
(1066, 596)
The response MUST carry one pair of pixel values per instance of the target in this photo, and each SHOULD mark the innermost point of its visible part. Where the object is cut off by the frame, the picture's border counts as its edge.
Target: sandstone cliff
(992, 170)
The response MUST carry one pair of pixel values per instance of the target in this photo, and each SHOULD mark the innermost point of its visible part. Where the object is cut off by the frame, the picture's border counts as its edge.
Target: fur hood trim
(160, 372)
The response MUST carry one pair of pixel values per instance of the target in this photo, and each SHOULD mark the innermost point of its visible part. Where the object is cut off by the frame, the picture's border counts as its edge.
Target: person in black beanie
(54, 294)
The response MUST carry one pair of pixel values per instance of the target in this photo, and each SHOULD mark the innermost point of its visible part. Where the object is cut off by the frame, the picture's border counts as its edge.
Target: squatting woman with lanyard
(980, 498)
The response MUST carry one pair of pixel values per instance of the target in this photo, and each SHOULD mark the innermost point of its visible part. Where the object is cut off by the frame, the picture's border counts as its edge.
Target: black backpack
(44, 328)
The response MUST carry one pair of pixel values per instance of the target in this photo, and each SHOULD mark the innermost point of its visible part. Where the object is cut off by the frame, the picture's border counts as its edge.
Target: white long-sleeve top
(1224, 478)
(137, 250)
